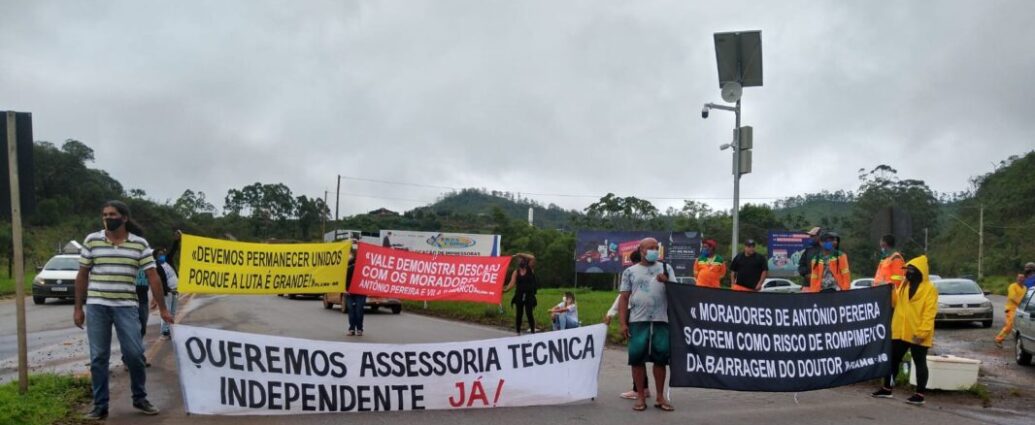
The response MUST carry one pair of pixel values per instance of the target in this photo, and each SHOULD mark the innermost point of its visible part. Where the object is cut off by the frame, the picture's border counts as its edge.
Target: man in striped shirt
(108, 265)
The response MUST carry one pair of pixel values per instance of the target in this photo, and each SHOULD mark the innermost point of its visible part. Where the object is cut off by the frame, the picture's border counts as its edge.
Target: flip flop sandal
(640, 407)
(665, 407)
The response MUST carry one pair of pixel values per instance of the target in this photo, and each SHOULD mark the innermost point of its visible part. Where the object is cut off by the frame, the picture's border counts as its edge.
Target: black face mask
(914, 276)
(113, 224)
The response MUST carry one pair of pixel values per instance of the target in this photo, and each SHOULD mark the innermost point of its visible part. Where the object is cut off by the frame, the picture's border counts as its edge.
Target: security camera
(704, 112)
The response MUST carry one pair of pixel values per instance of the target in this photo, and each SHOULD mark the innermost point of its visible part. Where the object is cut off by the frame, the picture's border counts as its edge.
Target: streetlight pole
(736, 185)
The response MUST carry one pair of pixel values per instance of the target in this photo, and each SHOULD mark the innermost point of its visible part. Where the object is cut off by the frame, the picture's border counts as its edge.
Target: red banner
(391, 273)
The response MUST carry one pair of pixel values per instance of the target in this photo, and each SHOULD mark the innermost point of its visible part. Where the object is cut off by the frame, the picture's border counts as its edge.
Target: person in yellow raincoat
(709, 267)
(1013, 298)
(915, 303)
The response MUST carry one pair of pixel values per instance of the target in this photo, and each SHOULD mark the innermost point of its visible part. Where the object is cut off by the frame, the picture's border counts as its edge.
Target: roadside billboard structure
(785, 249)
(608, 251)
(439, 243)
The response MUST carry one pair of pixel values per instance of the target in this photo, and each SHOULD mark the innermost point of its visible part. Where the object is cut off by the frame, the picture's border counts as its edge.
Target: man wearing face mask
(915, 305)
(108, 262)
(709, 267)
(643, 319)
(829, 268)
(891, 270)
(811, 249)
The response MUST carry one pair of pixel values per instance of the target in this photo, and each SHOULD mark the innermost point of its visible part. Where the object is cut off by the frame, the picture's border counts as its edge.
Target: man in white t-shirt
(643, 313)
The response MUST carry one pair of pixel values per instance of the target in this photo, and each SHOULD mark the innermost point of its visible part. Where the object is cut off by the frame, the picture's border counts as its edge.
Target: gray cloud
(535, 96)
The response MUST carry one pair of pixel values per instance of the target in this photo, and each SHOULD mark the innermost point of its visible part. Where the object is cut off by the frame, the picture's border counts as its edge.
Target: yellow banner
(214, 266)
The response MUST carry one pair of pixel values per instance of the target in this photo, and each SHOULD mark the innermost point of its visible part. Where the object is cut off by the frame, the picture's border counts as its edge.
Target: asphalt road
(307, 319)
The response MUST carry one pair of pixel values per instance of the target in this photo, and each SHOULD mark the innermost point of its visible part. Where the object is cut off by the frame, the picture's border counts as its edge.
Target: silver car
(962, 300)
(1024, 329)
(861, 283)
(780, 286)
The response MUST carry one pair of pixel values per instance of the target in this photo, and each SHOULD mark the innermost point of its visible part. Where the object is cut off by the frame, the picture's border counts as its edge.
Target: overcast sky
(551, 97)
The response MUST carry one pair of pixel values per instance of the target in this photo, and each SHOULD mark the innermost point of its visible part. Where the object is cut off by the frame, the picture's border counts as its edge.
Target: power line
(356, 195)
(560, 195)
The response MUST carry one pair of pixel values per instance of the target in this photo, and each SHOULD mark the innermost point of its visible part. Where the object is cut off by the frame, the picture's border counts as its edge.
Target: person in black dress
(524, 301)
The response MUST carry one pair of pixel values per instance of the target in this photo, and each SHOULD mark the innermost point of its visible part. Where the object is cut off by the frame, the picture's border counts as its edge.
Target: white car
(934, 277)
(1024, 329)
(56, 279)
(861, 283)
(780, 286)
(962, 300)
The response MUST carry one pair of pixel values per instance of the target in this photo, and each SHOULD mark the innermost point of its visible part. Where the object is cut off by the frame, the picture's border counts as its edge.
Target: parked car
(780, 286)
(686, 280)
(1024, 329)
(861, 283)
(962, 300)
(293, 296)
(56, 279)
(934, 277)
(338, 298)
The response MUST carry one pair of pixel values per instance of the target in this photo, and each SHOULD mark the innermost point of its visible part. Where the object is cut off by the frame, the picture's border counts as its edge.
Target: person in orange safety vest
(709, 267)
(892, 267)
(829, 268)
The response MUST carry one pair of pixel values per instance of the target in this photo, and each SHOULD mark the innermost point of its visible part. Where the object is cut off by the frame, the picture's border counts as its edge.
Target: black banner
(748, 341)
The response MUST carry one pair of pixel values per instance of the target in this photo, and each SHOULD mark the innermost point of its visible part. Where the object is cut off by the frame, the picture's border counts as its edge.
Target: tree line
(69, 193)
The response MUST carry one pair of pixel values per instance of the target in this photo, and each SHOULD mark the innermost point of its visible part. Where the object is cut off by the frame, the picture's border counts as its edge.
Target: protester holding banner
(829, 268)
(915, 305)
(354, 303)
(108, 263)
(748, 269)
(643, 313)
(811, 249)
(1013, 299)
(891, 269)
(170, 284)
(710, 267)
(524, 300)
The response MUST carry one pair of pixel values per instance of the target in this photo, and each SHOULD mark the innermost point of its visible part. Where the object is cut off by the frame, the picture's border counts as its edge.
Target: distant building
(72, 247)
(383, 212)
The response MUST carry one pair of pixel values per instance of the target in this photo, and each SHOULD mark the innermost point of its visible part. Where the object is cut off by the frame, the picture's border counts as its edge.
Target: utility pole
(337, 198)
(981, 239)
(19, 256)
(925, 240)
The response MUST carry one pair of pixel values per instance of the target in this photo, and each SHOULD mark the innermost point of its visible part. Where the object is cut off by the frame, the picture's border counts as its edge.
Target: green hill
(478, 202)
(1008, 197)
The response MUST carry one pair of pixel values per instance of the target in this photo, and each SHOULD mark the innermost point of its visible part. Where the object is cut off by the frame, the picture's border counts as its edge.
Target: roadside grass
(980, 391)
(997, 284)
(51, 399)
(7, 285)
(592, 306)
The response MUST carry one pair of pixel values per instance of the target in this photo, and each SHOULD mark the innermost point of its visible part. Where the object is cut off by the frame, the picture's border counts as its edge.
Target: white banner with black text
(235, 373)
